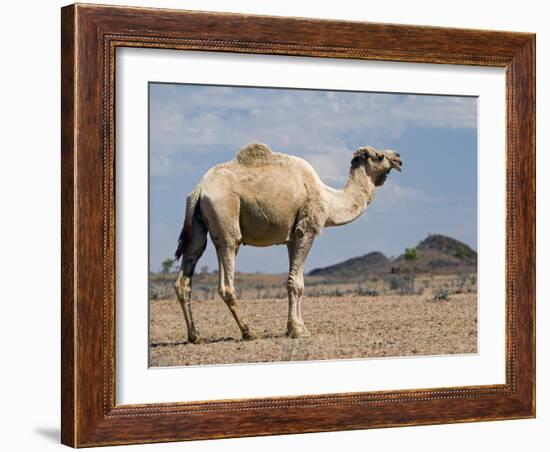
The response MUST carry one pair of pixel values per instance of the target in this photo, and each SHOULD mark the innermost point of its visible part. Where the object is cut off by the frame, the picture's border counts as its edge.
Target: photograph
(294, 224)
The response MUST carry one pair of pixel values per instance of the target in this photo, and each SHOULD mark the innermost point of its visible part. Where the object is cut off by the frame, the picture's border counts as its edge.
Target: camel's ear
(363, 154)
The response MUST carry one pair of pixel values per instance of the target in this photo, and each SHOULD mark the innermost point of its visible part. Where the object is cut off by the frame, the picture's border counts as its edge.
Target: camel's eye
(381, 157)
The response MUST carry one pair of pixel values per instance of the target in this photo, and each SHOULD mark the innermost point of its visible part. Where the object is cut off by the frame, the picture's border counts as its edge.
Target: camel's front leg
(297, 253)
(226, 258)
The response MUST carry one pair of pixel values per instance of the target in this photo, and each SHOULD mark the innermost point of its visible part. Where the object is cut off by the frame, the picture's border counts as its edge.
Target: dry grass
(342, 328)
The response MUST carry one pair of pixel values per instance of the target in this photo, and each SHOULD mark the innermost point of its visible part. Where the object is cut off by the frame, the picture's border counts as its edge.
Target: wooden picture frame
(90, 35)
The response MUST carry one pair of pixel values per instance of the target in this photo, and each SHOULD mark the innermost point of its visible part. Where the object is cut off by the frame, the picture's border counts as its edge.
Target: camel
(264, 198)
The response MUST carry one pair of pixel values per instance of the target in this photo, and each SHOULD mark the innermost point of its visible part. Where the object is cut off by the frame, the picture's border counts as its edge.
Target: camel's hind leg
(226, 259)
(189, 259)
(297, 254)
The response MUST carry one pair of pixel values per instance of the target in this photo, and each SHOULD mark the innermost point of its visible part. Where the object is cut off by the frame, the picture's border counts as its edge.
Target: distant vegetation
(441, 294)
(410, 254)
(167, 265)
(462, 252)
(435, 254)
(437, 267)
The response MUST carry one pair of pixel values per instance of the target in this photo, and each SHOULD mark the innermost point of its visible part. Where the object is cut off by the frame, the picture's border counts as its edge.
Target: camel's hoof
(195, 339)
(250, 335)
(297, 332)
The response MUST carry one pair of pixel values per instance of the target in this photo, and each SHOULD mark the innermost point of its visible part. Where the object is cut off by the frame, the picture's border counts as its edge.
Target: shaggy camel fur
(264, 198)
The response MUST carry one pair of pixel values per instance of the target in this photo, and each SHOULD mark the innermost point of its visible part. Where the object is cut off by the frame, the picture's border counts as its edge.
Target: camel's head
(377, 164)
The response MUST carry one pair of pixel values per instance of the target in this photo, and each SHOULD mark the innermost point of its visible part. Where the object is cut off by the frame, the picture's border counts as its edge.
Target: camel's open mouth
(396, 163)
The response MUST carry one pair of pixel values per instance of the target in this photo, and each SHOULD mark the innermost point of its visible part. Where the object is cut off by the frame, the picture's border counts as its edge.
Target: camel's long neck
(347, 204)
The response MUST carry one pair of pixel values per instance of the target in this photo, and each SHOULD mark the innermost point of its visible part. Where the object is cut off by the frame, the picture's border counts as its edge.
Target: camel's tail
(191, 212)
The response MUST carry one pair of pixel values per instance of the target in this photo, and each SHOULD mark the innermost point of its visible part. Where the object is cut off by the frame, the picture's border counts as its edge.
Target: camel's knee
(228, 295)
(183, 287)
(295, 286)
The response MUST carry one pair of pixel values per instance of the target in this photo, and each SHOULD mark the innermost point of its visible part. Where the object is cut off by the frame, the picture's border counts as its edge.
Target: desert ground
(428, 315)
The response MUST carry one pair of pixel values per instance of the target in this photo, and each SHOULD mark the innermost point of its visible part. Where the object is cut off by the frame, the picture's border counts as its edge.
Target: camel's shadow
(216, 340)
(264, 335)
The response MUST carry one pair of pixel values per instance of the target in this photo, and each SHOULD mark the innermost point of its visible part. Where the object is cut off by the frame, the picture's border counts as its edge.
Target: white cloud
(320, 125)
(436, 111)
(330, 166)
(227, 116)
(393, 195)
(400, 193)
(162, 164)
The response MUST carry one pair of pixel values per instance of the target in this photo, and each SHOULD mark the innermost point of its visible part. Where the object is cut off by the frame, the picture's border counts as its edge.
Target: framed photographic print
(281, 225)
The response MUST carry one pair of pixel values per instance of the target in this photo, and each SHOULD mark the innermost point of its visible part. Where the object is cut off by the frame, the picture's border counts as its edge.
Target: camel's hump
(255, 154)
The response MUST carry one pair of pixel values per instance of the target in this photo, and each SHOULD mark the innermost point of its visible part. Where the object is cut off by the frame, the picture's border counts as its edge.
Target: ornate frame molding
(90, 36)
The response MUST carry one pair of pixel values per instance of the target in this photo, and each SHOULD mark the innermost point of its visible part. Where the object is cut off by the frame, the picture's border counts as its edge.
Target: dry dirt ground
(342, 328)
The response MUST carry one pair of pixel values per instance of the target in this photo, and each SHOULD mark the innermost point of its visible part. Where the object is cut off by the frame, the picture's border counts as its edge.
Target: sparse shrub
(461, 284)
(408, 285)
(403, 284)
(366, 292)
(394, 283)
(259, 287)
(441, 294)
(411, 254)
(461, 252)
(167, 265)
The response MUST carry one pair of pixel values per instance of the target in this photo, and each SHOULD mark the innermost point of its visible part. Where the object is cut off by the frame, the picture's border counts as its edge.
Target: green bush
(411, 254)
(441, 294)
(167, 265)
(461, 252)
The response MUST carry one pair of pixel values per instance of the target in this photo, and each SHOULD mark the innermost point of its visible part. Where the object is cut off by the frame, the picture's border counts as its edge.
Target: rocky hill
(366, 264)
(448, 246)
(435, 254)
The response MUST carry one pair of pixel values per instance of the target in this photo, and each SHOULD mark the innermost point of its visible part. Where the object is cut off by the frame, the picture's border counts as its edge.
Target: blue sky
(193, 127)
